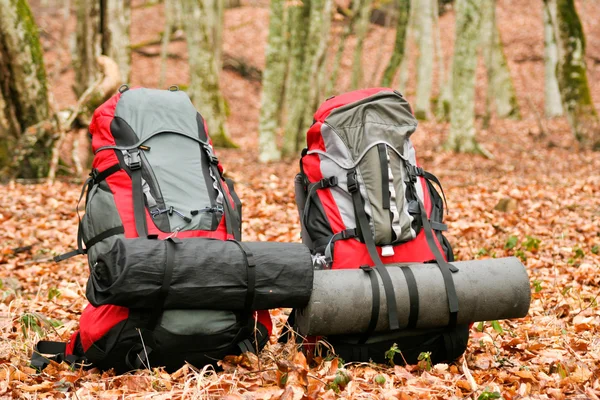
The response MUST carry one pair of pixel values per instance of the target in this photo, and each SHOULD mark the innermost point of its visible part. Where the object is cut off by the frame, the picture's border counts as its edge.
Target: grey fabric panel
(149, 111)
(394, 213)
(197, 322)
(389, 120)
(371, 190)
(383, 117)
(338, 149)
(100, 215)
(177, 165)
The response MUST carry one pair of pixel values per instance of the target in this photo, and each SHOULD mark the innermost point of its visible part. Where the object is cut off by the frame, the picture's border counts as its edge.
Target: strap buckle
(332, 181)
(366, 268)
(94, 175)
(211, 155)
(352, 183)
(135, 161)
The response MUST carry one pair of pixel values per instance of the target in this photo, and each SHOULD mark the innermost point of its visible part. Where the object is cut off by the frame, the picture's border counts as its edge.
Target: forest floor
(552, 224)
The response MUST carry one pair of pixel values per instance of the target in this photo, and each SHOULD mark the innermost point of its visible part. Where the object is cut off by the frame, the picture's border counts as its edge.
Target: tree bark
(331, 85)
(501, 91)
(399, 45)
(552, 104)
(425, 59)
(273, 83)
(204, 86)
(116, 19)
(362, 28)
(296, 95)
(572, 74)
(88, 44)
(23, 91)
(462, 113)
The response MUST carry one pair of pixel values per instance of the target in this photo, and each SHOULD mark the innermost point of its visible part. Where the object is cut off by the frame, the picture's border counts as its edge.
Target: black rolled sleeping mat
(207, 274)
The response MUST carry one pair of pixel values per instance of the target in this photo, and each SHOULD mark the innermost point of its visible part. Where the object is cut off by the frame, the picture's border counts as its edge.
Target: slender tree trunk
(23, 94)
(552, 102)
(462, 114)
(362, 28)
(88, 44)
(166, 39)
(321, 35)
(115, 20)
(572, 74)
(399, 45)
(341, 47)
(442, 110)
(296, 95)
(273, 83)
(425, 60)
(412, 36)
(204, 86)
(501, 91)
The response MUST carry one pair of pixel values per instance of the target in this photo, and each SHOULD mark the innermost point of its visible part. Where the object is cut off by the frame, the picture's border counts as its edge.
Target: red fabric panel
(71, 343)
(95, 322)
(263, 317)
(100, 123)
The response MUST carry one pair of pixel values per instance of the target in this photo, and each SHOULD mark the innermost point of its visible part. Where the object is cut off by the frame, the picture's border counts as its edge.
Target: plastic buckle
(352, 184)
(135, 161)
(366, 268)
(332, 181)
(211, 156)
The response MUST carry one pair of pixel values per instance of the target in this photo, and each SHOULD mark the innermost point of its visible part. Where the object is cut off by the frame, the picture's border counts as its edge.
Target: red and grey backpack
(365, 202)
(155, 175)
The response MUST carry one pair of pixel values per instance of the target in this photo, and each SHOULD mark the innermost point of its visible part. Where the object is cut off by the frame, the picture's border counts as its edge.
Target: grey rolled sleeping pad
(207, 274)
(487, 290)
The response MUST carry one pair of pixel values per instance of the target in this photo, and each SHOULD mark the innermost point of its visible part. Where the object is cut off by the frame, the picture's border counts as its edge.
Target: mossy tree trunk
(273, 84)
(552, 103)
(399, 44)
(24, 150)
(204, 86)
(362, 28)
(296, 94)
(116, 20)
(501, 91)
(462, 113)
(425, 59)
(572, 74)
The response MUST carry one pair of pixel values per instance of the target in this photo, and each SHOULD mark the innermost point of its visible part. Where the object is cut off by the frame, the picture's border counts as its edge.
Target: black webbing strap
(251, 270)
(438, 226)
(418, 171)
(246, 346)
(170, 249)
(445, 267)
(46, 351)
(106, 234)
(237, 202)
(87, 186)
(312, 190)
(374, 304)
(100, 176)
(367, 237)
(413, 297)
(139, 205)
(385, 176)
(341, 235)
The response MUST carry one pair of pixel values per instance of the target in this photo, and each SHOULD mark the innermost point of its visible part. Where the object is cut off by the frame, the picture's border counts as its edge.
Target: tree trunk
(88, 44)
(296, 96)
(273, 84)
(23, 93)
(362, 28)
(412, 36)
(331, 84)
(399, 45)
(572, 75)
(462, 113)
(501, 91)
(425, 60)
(115, 20)
(204, 86)
(552, 103)
(442, 110)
